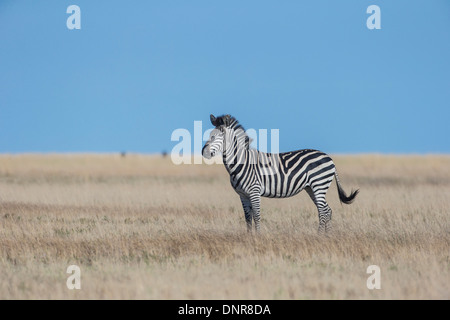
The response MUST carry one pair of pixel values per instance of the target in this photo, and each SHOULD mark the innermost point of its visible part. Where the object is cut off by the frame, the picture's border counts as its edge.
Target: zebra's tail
(342, 195)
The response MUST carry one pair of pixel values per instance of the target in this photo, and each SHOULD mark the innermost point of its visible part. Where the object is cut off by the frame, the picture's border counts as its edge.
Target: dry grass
(141, 227)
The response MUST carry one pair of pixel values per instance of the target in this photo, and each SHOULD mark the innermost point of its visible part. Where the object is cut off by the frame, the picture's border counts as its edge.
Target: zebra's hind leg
(324, 209)
(247, 205)
(325, 219)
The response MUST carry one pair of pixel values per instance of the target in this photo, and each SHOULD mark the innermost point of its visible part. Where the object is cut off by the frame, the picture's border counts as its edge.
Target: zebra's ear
(227, 120)
(213, 120)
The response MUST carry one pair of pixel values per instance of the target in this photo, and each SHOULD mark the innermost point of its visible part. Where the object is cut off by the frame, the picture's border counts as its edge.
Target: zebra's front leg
(255, 199)
(247, 205)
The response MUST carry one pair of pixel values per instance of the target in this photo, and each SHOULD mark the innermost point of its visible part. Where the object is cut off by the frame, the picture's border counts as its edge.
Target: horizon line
(167, 154)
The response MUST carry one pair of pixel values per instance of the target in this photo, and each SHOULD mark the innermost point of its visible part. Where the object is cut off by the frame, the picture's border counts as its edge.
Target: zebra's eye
(212, 138)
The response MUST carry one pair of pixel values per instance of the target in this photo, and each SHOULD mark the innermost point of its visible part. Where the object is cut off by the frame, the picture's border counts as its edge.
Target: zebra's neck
(236, 151)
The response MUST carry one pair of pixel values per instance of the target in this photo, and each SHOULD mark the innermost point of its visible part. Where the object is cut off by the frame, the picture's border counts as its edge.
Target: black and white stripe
(255, 174)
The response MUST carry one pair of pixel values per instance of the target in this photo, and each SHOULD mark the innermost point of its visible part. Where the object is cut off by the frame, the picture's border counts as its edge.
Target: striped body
(255, 174)
(282, 175)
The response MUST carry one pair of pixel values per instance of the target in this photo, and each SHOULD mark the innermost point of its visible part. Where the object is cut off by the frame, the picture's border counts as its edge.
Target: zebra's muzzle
(206, 152)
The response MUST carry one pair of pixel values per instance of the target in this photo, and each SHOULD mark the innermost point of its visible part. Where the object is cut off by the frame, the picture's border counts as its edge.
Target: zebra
(255, 174)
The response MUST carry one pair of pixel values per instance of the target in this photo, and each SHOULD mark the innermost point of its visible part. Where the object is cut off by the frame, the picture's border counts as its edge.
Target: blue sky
(137, 70)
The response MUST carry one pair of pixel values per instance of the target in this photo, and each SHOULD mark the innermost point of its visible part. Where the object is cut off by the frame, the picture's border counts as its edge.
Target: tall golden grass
(140, 227)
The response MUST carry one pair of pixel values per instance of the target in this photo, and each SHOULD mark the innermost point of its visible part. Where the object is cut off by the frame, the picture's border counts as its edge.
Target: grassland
(140, 227)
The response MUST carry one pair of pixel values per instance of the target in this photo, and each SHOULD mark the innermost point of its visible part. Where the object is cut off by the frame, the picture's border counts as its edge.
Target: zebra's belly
(272, 192)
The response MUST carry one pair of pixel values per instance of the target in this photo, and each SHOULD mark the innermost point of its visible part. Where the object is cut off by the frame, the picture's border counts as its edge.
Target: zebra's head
(216, 139)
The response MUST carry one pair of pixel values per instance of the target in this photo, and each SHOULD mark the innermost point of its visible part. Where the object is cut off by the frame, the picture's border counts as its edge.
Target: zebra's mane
(230, 122)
